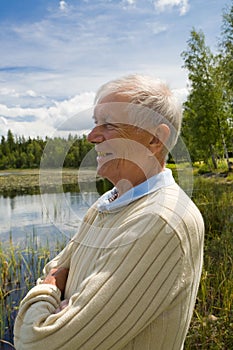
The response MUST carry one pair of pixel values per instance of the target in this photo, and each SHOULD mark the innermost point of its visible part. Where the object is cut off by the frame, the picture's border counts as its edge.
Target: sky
(55, 54)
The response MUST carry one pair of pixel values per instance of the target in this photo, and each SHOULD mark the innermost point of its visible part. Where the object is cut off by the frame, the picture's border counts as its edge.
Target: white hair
(153, 95)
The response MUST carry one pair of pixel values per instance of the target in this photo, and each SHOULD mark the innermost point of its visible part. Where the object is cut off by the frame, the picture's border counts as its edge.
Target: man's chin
(101, 171)
(104, 173)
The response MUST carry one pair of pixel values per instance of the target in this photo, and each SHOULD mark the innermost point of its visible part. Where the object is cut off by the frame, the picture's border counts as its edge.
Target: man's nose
(95, 136)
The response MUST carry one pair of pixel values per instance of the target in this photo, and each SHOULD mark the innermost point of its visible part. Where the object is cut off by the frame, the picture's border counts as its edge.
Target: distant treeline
(22, 153)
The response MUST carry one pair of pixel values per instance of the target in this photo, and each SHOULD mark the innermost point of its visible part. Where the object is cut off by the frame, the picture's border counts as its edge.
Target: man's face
(123, 149)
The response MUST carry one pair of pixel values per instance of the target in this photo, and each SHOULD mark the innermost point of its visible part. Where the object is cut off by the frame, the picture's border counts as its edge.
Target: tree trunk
(226, 152)
(213, 157)
(224, 146)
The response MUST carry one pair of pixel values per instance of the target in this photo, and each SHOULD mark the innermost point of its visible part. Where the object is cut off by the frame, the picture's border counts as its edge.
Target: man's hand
(62, 306)
(58, 278)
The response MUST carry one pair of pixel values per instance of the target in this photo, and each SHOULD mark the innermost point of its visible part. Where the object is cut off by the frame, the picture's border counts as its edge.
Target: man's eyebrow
(94, 118)
(100, 119)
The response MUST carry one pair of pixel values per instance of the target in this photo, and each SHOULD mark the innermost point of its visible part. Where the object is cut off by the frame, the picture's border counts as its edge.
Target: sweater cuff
(43, 290)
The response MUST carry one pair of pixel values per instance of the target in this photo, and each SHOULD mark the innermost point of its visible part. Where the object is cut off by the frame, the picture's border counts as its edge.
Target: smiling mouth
(103, 154)
(103, 157)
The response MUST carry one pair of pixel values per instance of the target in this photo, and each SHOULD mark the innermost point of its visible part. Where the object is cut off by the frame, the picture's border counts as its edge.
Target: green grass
(222, 168)
(212, 323)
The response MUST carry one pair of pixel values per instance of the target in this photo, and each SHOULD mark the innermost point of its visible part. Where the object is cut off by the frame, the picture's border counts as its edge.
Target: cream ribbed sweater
(132, 284)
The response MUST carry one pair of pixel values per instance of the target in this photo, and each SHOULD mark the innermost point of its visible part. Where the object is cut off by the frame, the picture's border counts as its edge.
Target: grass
(212, 323)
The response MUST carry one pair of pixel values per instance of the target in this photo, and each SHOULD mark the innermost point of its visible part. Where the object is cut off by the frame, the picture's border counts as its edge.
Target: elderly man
(129, 278)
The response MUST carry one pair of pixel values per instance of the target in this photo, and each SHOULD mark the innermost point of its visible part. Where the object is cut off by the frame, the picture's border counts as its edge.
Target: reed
(20, 268)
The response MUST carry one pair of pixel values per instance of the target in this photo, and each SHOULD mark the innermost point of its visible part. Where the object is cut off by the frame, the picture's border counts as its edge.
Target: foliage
(19, 153)
(208, 112)
(226, 69)
(226, 47)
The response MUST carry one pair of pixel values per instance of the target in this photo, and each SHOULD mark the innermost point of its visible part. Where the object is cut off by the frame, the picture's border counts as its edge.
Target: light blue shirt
(151, 185)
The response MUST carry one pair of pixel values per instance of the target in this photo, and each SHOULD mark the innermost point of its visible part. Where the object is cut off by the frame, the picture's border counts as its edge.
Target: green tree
(17, 152)
(4, 146)
(226, 76)
(202, 110)
(10, 141)
(226, 46)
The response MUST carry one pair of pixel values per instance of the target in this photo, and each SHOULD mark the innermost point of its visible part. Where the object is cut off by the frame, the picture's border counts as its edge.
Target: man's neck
(125, 185)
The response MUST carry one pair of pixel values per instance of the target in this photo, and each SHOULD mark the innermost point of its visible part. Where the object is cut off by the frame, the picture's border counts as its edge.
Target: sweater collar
(151, 185)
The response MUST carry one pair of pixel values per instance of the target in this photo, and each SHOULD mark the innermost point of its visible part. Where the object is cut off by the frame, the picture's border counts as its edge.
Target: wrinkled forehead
(114, 112)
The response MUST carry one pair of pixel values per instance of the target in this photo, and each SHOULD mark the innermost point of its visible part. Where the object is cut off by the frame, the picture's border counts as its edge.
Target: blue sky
(55, 54)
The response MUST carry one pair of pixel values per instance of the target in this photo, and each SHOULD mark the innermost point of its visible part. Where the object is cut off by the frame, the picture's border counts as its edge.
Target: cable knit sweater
(133, 277)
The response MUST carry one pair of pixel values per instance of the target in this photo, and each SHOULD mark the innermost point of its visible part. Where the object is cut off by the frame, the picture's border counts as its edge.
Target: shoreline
(34, 181)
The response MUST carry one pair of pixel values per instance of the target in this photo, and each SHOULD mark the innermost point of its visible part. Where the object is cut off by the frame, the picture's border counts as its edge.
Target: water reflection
(50, 216)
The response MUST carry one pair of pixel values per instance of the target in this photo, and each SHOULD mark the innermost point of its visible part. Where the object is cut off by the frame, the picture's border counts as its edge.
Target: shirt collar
(151, 185)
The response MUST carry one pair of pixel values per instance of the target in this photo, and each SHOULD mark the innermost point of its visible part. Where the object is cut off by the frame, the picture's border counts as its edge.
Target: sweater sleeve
(134, 281)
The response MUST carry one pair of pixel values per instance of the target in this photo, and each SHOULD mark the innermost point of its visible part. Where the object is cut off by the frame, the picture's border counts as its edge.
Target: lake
(51, 216)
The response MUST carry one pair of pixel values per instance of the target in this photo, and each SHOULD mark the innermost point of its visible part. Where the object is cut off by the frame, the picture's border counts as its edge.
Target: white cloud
(129, 2)
(181, 94)
(162, 5)
(3, 120)
(8, 91)
(63, 6)
(156, 28)
(17, 96)
(31, 93)
(63, 110)
(45, 121)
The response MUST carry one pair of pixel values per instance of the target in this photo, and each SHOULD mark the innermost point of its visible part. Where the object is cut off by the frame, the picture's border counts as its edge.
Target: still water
(50, 216)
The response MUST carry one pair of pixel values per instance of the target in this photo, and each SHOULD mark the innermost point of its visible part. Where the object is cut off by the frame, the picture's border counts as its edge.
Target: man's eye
(109, 126)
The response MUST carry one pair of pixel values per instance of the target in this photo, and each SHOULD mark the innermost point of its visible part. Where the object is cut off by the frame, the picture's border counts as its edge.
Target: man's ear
(160, 138)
